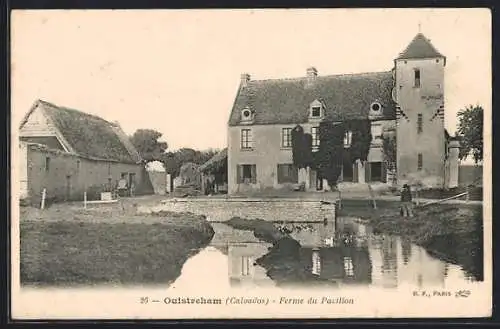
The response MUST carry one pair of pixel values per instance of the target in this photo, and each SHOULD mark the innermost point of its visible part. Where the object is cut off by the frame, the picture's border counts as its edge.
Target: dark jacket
(406, 195)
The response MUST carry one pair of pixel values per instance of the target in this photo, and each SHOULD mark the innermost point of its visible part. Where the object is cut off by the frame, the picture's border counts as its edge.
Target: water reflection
(347, 253)
(338, 254)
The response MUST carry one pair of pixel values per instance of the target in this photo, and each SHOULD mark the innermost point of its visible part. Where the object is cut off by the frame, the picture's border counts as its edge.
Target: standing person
(122, 186)
(406, 201)
(132, 189)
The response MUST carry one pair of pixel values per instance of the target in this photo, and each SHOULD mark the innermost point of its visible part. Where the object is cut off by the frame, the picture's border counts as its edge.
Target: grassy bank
(451, 232)
(132, 249)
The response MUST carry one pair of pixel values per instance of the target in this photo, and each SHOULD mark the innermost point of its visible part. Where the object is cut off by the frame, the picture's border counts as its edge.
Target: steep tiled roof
(420, 47)
(89, 135)
(284, 101)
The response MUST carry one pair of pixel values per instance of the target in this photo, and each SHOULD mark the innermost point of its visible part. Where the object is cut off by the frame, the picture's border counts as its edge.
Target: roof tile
(286, 101)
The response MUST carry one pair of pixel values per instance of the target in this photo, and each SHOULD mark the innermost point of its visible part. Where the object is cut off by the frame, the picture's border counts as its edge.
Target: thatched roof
(215, 161)
(287, 101)
(89, 135)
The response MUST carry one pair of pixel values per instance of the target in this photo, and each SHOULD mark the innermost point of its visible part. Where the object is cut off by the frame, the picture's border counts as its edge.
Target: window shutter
(254, 174)
(239, 174)
(368, 172)
(294, 174)
(280, 173)
(355, 172)
(384, 172)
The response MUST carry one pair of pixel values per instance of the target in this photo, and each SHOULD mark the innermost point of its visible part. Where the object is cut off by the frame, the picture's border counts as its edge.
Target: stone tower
(420, 132)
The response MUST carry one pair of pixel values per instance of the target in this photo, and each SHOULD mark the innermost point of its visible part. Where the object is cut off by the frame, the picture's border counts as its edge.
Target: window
(247, 174)
(376, 107)
(420, 161)
(315, 137)
(376, 130)
(417, 78)
(287, 173)
(347, 138)
(246, 114)
(419, 123)
(316, 111)
(348, 267)
(245, 265)
(246, 139)
(47, 164)
(286, 137)
(316, 263)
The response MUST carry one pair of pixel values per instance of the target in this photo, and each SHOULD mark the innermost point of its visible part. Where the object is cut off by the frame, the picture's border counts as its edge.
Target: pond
(337, 253)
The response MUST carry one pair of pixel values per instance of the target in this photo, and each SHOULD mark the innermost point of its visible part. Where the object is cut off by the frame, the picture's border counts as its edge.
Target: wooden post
(85, 200)
(340, 200)
(374, 203)
(467, 193)
(44, 195)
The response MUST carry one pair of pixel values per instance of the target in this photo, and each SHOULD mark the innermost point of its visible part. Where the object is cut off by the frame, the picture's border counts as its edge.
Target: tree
(174, 160)
(147, 143)
(361, 139)
(470, 132)
(330, 153)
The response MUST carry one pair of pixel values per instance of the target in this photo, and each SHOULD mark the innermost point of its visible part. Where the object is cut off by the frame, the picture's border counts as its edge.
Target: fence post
(372, 196)
(340, 200)
(85, 200)
(467, 193)
(44, 195)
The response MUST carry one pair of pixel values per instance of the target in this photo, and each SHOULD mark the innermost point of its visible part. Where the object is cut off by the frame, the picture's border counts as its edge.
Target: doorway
(376, 171)
(68, 188)
(347, 172)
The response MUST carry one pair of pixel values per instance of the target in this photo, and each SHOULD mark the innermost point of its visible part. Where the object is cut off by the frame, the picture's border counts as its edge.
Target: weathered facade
(407, 101)
(68, 152)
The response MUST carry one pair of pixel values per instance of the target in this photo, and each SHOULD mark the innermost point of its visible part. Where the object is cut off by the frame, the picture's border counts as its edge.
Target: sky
(177, 71)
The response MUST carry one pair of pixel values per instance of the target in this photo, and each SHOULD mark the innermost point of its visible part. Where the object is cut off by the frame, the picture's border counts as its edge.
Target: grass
(69, 253)
(475, 193)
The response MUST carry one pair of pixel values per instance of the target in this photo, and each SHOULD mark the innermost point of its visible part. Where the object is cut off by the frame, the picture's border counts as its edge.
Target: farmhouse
(406, 102)
(67, 152)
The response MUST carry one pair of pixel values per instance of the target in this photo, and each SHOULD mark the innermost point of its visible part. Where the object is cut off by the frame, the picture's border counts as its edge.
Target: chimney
(245, 78)
(312, 73)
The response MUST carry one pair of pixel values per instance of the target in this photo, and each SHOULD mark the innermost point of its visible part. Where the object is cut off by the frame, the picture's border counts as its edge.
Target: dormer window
(316, 110)
(376, 107)
(246, 115)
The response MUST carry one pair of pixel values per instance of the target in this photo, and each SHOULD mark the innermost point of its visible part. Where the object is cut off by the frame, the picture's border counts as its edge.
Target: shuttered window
(247, 174)
(287, 173)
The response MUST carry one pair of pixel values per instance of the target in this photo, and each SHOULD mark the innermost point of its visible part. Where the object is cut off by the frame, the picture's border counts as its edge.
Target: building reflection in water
(242, 267)
(348, 253)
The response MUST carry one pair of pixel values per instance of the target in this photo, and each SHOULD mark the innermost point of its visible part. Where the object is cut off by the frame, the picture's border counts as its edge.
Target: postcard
(239, 164)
